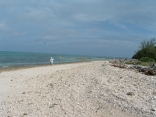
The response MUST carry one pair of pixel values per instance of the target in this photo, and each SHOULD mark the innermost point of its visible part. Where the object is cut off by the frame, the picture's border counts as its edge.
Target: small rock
(152, 109)
(52, 106)
(130, 94)
(51, 85)
(111, 112)
(24, 113)
(154, 93)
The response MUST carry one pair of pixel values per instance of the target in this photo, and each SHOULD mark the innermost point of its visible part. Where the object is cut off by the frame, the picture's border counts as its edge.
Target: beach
(87, 89)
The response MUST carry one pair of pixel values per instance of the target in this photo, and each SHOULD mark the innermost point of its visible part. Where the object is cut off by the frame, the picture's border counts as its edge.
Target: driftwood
(148, 70)
(118, 63)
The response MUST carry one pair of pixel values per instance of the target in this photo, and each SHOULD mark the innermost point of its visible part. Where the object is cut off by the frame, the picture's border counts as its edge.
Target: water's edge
(25, 59)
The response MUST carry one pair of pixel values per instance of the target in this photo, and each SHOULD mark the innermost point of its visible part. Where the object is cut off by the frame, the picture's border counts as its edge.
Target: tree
(146, 49)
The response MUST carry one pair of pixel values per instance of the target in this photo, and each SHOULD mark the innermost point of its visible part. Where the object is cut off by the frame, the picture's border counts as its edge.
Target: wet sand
(90, 89)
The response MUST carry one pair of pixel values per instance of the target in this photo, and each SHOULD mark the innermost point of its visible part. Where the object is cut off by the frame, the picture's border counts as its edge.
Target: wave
(5, 66)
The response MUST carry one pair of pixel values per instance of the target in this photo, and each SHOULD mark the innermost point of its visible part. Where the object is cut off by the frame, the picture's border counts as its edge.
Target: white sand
(92, 89)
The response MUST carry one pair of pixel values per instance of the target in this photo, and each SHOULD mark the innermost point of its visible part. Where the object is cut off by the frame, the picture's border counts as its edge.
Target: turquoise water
(11, 59)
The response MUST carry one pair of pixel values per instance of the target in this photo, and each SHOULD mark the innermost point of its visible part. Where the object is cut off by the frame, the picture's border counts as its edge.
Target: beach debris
(118, 63)
(147, 70)
(152, 65)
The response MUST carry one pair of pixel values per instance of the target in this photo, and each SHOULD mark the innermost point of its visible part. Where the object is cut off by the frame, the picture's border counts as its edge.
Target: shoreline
(77, 89)
(14, 68)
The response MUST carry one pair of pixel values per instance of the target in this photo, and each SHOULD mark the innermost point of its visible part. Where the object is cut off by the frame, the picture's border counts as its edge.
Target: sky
(111, 28)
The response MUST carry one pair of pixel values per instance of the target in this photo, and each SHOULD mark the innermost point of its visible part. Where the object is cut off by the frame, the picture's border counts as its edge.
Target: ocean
(15, 59)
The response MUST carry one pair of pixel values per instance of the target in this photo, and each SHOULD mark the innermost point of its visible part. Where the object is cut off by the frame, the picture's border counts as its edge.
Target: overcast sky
(81, 27)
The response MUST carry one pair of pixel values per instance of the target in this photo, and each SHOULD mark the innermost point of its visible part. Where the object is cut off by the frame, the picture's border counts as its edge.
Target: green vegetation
(146, 52)
(139, 63)
(147, 59)
(134, 62)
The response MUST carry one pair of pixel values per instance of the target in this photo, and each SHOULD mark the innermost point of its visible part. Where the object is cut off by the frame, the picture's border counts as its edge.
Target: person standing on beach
(51, 60)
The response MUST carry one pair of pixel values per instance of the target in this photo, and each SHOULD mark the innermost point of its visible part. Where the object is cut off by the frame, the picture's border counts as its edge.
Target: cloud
(82, 23)
(4, 29)
(7, 31)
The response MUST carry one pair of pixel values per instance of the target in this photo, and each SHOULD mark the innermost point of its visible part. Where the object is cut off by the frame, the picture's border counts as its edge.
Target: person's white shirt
(51, 60)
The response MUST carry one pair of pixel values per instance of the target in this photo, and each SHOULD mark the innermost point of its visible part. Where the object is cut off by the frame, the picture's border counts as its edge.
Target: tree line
(146, 51)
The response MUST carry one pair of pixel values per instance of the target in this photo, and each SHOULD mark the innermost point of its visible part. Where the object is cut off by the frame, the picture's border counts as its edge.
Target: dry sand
(91, 89)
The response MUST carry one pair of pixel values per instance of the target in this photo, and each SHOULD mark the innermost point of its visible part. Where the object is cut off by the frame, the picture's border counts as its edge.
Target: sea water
(12, 59)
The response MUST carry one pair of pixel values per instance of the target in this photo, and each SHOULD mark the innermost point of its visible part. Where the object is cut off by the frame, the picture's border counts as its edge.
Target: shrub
(146, 49)
(147, 59)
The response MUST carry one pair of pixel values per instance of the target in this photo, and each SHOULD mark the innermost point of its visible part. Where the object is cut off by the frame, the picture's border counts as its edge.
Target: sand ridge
(92, 89)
